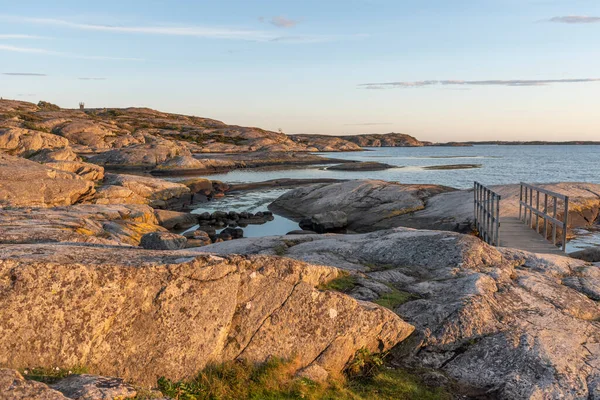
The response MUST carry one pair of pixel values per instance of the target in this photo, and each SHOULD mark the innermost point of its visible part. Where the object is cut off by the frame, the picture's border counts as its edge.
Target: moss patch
(343, 283)
(51, 375)
(394, 298)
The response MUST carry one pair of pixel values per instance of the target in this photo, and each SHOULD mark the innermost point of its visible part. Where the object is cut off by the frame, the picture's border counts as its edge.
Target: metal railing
(527, 209)
(486, 207)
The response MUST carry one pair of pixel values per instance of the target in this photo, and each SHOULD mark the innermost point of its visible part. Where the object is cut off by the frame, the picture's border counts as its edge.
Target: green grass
(51, 375)
(274, 380)
(344, 283)
(394, 298)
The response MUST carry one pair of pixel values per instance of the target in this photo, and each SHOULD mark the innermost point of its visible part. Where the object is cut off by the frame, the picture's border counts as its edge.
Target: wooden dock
(536, 224)
(517, 235)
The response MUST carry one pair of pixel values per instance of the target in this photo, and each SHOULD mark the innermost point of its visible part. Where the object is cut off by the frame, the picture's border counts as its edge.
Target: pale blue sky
(439, 70)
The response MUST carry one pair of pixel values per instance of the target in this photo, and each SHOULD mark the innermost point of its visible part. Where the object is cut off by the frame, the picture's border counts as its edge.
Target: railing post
(520, 199)
(537, 217)
(545, 216)
(498, 198)
(566, 225)
(554, 223)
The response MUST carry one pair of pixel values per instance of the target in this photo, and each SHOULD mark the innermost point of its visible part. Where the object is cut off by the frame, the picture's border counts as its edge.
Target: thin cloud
(283, 22)
(20, 36)
(23, 74)
(31, 50)
(369, 124)
(432, 83)
(197, 31)
(575, 19)
(206, 32)
(91, 79)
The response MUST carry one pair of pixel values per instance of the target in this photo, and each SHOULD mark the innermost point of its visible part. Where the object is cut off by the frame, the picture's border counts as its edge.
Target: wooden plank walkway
(515, 234)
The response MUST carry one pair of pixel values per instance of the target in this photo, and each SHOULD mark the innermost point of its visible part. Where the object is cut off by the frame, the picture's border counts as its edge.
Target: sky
(436, 69)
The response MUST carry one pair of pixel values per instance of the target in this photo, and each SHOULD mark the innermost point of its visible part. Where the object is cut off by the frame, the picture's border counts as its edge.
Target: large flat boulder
(91, 172)
(157, 192)
(511, 324)
(147, 155)
(372, 205)
(369, 204)
(139, 314)
(27, 142)
(121, 225)
(27, 183)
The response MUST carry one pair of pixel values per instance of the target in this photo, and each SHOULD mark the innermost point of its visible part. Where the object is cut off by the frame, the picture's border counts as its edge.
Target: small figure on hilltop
(81, 105)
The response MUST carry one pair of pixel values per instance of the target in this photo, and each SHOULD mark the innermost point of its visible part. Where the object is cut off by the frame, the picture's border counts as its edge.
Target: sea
(497, 164)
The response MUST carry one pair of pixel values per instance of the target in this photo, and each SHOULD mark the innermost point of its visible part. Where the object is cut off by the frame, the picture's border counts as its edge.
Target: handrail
(486, 209)
(526, 204)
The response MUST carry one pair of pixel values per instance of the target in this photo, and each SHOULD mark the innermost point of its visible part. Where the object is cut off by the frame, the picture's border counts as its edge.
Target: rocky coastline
(103, 266)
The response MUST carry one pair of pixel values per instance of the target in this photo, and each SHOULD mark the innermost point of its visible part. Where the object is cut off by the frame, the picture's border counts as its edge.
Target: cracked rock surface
(508, 323)
(140, 314)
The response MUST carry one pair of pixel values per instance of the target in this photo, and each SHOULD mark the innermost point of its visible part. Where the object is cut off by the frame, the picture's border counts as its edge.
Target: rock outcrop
(157, 192)
(325, 143)
(361, 166)
(26, 142)
(384, 140)
(372, 205)
(509, 324)
(27, 183)
(121, 225)
(369, 205)
(140, 314)
(14, 387)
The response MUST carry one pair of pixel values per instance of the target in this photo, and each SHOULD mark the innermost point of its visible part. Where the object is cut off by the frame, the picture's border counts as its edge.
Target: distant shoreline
(516, 143)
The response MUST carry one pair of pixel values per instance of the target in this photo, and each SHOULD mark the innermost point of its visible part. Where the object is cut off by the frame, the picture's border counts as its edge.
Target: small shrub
(34, 127)
(365, 364)
(46, 106)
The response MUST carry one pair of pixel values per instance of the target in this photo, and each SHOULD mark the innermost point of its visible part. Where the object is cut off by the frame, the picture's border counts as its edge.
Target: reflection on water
(253, 201)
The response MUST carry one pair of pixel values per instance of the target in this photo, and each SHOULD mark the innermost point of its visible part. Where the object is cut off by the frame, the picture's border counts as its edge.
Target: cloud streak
(445, 83)
(206, 32)
(20, 36)
(23, 74)
(31, 50)
(575, 19)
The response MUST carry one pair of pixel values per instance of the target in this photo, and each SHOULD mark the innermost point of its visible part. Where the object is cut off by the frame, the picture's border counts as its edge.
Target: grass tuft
(274, 380)
(51, 375)
(343, 283)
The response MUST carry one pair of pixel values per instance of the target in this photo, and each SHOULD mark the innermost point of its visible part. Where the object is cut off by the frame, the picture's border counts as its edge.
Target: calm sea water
(499, 165)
